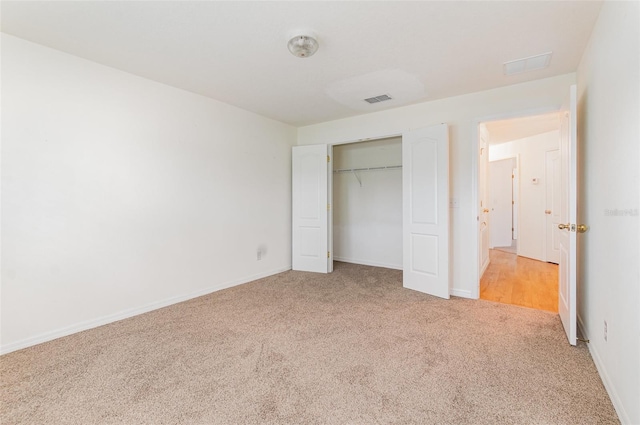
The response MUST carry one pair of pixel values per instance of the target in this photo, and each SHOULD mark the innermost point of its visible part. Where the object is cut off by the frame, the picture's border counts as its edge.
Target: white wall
(367, 218)
(530, 152)
(463, 114)
(608, 135)
(120, 195)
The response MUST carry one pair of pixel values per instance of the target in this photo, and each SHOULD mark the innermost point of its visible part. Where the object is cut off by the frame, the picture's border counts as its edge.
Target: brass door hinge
(328, 158)
(328, 207)
(328, 254)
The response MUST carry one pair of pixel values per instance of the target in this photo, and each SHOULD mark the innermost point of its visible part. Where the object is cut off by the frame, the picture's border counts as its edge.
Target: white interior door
(552, 205)
(425, 205)
(310, 204)
(567, 237)
(501, 186)
(483, 199)
(515, 190)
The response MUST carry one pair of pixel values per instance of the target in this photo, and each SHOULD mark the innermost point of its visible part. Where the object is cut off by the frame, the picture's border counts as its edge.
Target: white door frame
(475, 181)
(483, 211)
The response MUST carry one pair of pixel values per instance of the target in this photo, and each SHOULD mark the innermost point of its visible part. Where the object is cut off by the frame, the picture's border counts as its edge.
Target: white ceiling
(518, 128)
(236, 52)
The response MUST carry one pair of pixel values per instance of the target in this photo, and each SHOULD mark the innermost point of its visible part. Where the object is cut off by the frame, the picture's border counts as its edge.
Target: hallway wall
(532, 196)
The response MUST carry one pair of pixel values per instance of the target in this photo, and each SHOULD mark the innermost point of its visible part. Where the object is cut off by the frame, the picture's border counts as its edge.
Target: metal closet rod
(351, 170)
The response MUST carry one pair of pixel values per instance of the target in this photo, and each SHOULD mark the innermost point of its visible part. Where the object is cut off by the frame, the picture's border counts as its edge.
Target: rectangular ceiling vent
(377, 99)
(527, 64)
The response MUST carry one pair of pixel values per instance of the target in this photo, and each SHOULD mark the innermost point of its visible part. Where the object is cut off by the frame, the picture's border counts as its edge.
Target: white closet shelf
(352, 170)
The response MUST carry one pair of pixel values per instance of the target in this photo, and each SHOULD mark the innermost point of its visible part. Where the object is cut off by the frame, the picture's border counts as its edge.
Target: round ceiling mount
(303, 45)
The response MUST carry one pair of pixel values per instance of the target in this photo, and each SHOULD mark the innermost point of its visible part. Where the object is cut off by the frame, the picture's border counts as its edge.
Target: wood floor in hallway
(511, 279)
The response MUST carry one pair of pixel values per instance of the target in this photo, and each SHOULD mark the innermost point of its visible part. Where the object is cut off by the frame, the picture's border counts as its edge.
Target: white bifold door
(310, 212)
(425, 191)
(425, 194)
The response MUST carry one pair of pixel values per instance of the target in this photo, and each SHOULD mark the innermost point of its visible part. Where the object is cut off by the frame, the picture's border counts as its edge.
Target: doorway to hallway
(516, 197)
(511, 279)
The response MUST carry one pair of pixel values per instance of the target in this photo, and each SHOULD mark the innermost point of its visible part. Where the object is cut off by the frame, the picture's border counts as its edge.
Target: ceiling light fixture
(303, 45)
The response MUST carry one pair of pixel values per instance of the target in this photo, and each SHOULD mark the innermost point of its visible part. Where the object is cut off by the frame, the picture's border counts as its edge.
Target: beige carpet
(352, 347)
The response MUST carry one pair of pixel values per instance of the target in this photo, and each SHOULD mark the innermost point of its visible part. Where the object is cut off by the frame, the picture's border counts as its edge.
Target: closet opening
(367, 203)
(389, 207)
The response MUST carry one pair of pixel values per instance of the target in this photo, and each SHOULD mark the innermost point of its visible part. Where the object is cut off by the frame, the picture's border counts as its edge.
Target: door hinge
(328, 158)
(328, 254)
(328, 207)
(513, 202)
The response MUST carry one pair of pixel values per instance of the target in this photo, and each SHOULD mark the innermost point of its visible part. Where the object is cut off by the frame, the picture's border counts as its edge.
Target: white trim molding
(368, 263)
(462, 293)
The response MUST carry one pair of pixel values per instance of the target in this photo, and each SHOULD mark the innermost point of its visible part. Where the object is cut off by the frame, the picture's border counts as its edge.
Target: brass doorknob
(485, 210)
(547, 212)
(563, 226)
(581, 228)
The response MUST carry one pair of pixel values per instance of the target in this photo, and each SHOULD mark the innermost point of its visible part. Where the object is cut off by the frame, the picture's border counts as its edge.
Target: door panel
(567, 237)
(425, 192)
(309, 208)
(424, 200)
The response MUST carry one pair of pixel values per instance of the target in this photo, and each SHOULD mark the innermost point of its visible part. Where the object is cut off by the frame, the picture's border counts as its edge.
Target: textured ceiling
(236, 52)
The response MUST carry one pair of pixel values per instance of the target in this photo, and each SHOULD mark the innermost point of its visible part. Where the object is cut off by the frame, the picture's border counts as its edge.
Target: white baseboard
(94, 323)
(462, 293)
(368, 263)
(581, 328)
(484, 267)
(608, 385)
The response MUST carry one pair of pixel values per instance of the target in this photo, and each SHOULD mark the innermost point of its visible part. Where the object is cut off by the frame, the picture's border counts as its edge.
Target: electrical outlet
(605, 330)
(259, 255)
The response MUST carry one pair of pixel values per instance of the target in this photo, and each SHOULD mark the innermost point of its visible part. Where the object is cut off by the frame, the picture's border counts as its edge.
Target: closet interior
(367, 202)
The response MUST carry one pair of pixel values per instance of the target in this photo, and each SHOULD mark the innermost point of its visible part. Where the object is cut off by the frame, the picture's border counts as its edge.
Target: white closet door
(310, 177)
(425, 192)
